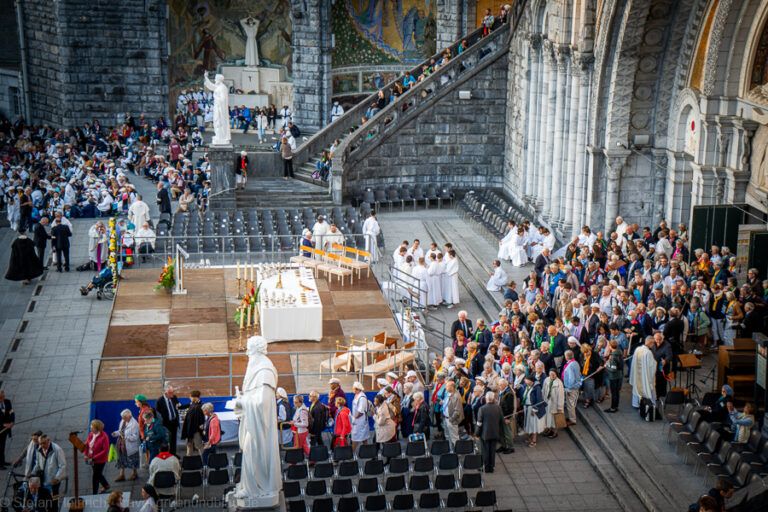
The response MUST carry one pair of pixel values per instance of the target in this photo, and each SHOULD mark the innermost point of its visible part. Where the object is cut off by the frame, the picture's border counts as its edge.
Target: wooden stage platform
(150, 324)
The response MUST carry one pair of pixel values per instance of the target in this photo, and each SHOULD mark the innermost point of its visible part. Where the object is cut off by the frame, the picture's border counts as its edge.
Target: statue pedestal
(247, 504)
(222, 174)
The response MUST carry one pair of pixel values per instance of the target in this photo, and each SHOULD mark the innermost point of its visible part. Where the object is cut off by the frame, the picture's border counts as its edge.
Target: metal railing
(133, 369)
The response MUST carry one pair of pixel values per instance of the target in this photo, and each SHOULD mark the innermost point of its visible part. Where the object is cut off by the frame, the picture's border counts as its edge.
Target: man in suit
(41, 238)
(489, 419)
(167, 407)
(482, 336)
(60, 235)
(34, 498)
(453, 413)
(7, 419)
(163, 199)
(557, 344)
(462, 323)
(542, 261)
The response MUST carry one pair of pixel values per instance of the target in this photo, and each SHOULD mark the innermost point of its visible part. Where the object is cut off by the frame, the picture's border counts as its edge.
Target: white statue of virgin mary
(221, 132)
(256, 408)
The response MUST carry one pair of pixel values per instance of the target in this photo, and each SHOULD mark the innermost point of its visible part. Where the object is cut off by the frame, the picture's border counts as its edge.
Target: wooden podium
(76, 504)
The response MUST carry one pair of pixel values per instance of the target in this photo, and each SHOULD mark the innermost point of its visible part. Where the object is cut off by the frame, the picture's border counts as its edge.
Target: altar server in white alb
(505, 244)
(498, 279)
(445, 281)
(642, 373)
(420, 272)
(517, 250)
(416, 251)
(435, 271)
(371, 231)
(452, 269)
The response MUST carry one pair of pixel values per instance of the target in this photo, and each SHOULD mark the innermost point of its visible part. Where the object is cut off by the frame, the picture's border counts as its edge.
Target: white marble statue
(251, 28)
(221, 134)
(256, 408)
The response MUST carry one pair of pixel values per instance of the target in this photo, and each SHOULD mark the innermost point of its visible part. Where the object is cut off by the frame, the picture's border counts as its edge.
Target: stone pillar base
(222, 158)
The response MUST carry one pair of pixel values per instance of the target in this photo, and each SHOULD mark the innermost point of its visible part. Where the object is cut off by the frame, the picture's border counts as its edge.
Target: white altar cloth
(297, 321)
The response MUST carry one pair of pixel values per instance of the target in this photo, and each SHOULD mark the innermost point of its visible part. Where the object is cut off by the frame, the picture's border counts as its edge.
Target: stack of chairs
(427, 476)
(702, 441)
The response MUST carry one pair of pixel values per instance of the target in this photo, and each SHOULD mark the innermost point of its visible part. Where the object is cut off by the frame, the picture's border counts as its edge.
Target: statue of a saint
(256, 408)
(251, 28)
(221, 134)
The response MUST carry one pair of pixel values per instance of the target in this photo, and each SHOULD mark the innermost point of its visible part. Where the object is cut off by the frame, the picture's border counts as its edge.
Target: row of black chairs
(456, 500)
(403, 194)
(199, 477)
(490, 210)
(436, 448)
(738, 463)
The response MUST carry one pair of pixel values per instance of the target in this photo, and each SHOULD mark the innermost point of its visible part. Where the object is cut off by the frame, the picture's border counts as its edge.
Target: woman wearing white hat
(284, 417)
(359, 416)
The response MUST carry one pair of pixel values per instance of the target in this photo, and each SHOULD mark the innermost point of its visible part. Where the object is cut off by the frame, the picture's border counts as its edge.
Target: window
(14, 101)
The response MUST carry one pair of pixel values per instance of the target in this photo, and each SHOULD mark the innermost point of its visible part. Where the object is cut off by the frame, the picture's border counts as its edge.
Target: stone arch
(758, 31)
(686, 111)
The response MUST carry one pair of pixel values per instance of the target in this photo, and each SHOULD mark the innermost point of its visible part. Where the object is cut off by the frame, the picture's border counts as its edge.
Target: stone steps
(276, 192)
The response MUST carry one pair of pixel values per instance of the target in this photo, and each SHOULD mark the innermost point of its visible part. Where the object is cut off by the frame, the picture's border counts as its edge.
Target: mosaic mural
(206, 33)
(383, 31)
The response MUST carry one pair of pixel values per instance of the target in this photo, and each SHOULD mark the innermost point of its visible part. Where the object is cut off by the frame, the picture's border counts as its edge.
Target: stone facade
(312, 54)
(455, 142)
(10, 106)
(96, 60)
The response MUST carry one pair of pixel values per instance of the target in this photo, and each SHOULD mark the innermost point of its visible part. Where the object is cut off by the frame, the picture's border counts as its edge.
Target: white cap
(572, 339)
(411, 373)
(391, 374)
(281, 392)
(334, 380)
(382, 382)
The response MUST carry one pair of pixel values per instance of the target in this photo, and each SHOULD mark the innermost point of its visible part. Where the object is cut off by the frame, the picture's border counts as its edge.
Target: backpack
(316, 175)
(295, 131)
(289, 410)
(370, 410)
(648, 410)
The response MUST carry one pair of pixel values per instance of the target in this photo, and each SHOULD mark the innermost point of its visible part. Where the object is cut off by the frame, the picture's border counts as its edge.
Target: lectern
(76, 504)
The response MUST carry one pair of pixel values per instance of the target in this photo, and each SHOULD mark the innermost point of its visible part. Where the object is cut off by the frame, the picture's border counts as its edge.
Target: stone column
(532, 134)
(580, 151)
(660, 163)
(222, 159)
(449, 22)
(547, 121)
(614, 163)
(311, 43)
(561, 87)
(567, 212)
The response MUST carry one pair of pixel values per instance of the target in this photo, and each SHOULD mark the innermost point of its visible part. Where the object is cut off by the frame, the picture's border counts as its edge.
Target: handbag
(112, 456)
(560, 420)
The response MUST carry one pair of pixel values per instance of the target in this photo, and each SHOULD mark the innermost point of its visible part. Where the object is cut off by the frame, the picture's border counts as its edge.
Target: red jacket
(99, 453)
(343, 427)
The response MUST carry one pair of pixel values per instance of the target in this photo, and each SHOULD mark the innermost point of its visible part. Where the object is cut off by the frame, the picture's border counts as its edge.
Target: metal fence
(307, 367)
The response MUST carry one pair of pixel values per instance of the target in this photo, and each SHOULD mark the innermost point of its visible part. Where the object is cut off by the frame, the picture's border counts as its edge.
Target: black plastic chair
(341, 487)
(367, 451)
(398, 466)
(348, 504)
(191, 463)
(394, 483)
(237, 460)
(348, 469)
(390, 450)
(403, 502)
(457, 499)
(318, 453)
(485, 499)
(292, 456)
(717, 458)
(752, 445)
(423, 464)
(291, 490)
(218, 477)
(296, 506)
(342, 453)
(375, 503)
(472, 462)
(415, 449)
(322, 505)
(471, 481)
(315, 488)
(445, 482)
(439, 447)
(373, 467)
(322, 470)
(448, 462)
(419, 483)
(429, 500)
(165, 481)
(368, 485)
(191, 479)
(296, 472)
(464, 447)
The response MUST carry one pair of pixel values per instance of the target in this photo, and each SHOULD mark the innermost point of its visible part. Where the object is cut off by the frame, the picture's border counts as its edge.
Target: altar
(289, 304)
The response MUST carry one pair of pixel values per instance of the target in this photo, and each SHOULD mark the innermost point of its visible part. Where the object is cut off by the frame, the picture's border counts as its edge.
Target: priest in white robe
(420, 273)
(518, 255)
(452, 270)
(445, 281)
(642, 374)
(434, 271)
(319, 230)
(138, 213)
(505, 243)
(371, 230)
(416, 251)
(498, 279)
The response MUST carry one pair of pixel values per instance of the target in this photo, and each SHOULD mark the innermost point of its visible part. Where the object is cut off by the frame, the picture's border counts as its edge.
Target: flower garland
(113, 249)
(249, 302)
(167, 278)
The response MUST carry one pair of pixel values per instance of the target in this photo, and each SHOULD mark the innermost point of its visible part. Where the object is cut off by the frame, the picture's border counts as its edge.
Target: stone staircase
(280, 193)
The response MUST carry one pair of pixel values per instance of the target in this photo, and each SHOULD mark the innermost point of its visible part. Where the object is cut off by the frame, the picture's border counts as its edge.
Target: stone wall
(450, 22)
(9, 78)
(96, 60)
(453, 142)
(311, 33)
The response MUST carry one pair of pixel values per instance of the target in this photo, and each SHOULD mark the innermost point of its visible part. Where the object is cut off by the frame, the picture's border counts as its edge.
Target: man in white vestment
(336, 111)
(319, 230)
(505, 243)
(434, 270)
(371, 230)
(642, 374)
(256, 408)
(621, 226)
(416, 251)
(498, 279)
(334, 236)
(138, 213)
(420, 272)
(452, 270)
(517, 250)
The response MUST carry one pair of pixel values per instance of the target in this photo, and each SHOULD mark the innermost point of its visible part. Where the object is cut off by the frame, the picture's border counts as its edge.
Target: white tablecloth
(296, 321)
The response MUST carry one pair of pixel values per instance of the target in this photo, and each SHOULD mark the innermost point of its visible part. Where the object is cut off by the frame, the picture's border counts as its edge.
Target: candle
(242, 315)
(249, 315)
(238, 269)
(251, 272)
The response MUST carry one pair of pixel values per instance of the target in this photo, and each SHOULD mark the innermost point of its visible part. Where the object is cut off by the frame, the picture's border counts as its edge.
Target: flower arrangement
(248, 304)
(113, 250)
(167, 278)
